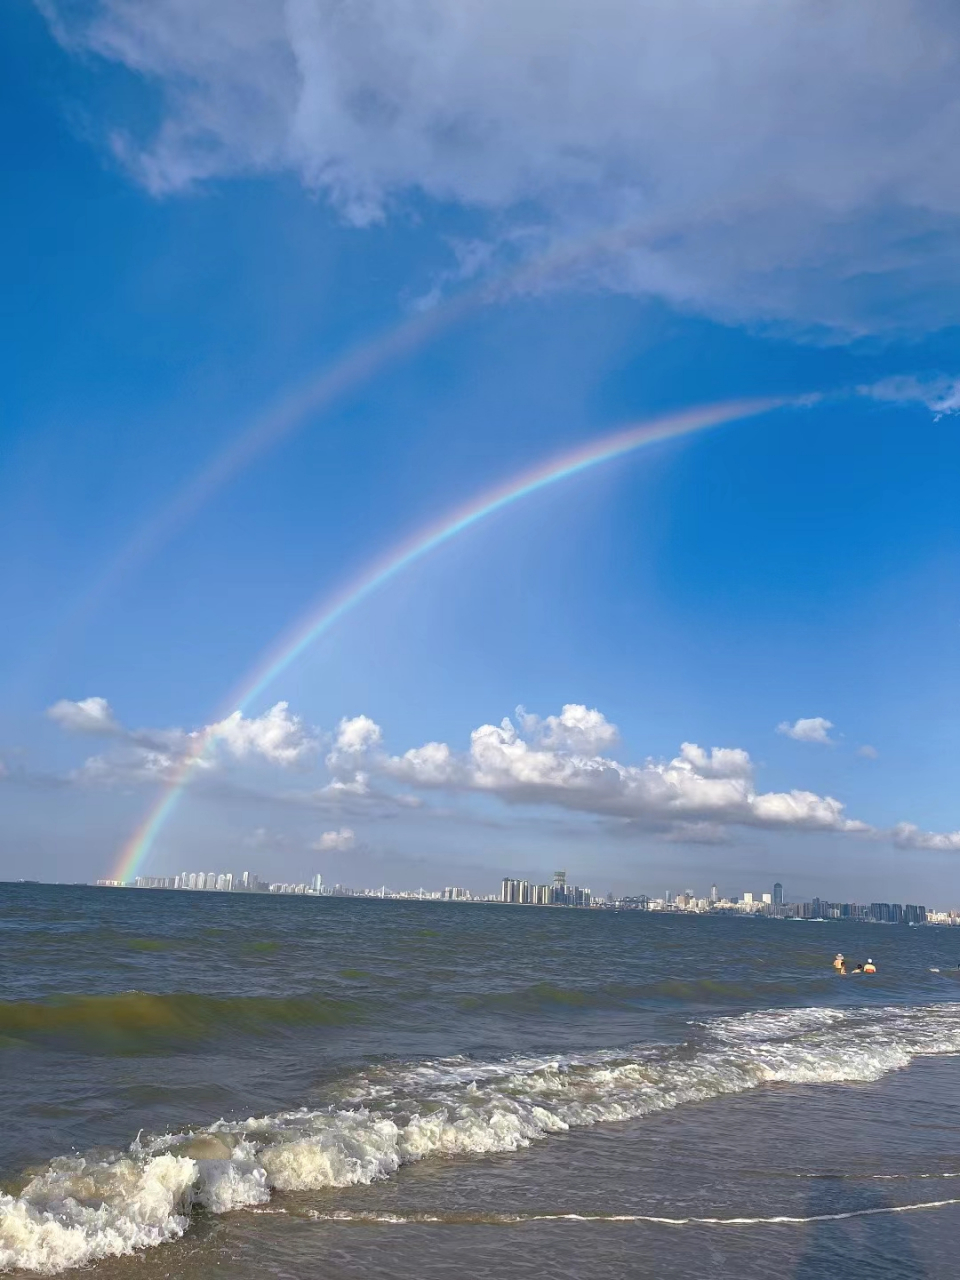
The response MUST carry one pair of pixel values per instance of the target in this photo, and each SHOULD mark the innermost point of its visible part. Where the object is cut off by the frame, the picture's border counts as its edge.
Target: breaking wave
(81, 1208)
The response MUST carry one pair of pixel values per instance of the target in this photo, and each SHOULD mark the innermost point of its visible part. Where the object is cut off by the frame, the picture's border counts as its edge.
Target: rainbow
(320, 620)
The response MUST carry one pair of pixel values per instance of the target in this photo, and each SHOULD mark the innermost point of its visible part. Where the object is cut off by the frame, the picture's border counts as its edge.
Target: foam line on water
(522, 1219)
(83, 1208)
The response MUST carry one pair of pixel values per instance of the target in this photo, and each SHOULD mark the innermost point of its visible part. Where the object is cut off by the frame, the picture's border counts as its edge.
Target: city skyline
(561, 894)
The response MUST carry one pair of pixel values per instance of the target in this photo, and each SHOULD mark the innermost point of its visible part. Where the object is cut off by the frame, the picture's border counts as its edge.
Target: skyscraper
(778, 894)
(714, 895)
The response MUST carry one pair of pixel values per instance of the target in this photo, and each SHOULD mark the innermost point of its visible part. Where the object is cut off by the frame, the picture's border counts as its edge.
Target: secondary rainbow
(320, 620)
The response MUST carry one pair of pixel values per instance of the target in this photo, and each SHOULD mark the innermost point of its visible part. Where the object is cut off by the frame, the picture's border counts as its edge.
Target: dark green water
(337, 1087)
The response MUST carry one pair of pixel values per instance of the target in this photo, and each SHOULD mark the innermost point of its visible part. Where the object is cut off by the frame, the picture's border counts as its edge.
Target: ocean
(200, 1084)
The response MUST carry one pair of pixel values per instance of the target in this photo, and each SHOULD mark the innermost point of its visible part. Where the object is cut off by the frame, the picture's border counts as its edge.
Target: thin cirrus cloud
(790, 161)
(940, 393)
(812, 729)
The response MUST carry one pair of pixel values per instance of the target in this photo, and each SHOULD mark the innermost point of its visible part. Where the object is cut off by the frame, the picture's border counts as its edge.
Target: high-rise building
(778, 894)
(318, 883)
(748, 898)
(714, 894)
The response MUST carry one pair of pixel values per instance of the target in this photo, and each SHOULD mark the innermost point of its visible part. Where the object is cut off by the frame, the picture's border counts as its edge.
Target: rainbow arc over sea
(332, 609)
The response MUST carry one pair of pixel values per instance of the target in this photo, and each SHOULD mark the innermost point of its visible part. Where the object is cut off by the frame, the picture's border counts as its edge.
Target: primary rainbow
(320, 620)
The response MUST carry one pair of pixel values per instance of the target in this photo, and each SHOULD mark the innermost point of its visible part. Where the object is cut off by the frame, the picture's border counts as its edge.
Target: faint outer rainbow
(320, 620)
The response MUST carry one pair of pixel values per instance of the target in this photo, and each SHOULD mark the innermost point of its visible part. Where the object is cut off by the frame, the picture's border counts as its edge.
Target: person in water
(869, 967)
(838, 961)
(857, 968)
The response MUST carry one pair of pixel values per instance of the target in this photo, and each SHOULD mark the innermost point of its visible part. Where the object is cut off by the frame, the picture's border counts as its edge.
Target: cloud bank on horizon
(790, 162)
(555, 762)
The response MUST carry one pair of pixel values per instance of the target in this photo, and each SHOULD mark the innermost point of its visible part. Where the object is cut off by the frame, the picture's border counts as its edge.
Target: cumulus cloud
(558, 761)
(355, 736)
(814, 729)
(334, 840)
(940, 393)
(89, 715)
(696, 787)
(576, 728)
(791, 160)
(148, 755)
(908, 836)
(276, 736)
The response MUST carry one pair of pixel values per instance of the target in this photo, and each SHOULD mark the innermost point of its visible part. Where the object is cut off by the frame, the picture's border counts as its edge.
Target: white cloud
(788, 160)
(696, 787)
(576, 728)
(276, 736)
(555, 761)
(939, 393)
(814, 729)
(133, 764)
(719, 762)
(868, 752)
(148, 755)
(89, 715)
(908, 836)
(340, 840)
(357, 735)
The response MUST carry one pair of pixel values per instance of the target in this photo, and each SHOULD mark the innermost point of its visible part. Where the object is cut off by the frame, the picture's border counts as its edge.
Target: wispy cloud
(908, 836)
(940, 393)
(741, 158)
(813, 729)
(335, 841)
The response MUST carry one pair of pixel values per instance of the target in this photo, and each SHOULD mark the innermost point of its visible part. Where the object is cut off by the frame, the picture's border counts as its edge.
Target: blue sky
(206, 210)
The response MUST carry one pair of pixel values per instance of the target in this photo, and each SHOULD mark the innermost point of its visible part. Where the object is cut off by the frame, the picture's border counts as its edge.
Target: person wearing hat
(838, 960)
(869, 967)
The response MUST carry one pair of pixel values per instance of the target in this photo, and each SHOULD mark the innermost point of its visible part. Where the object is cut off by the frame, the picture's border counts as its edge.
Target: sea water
(343, 1087)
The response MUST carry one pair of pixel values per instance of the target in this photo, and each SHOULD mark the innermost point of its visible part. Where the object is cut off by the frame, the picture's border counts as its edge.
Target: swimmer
(869, 967)
(838, 960)
(857, 968)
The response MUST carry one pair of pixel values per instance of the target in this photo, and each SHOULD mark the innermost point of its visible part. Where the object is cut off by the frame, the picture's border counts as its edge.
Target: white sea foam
(81, 1209)
(520, 1219)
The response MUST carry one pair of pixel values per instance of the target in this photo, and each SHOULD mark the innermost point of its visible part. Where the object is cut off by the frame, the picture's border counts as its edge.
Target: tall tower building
(560, 888)
(778, 894)
(714, 895)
